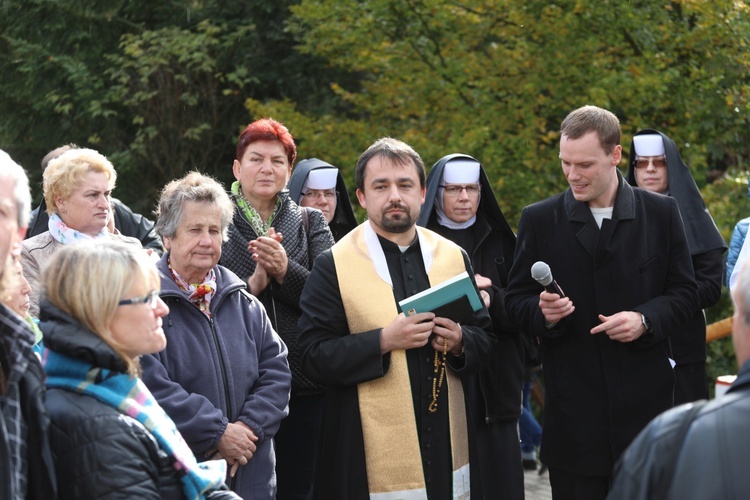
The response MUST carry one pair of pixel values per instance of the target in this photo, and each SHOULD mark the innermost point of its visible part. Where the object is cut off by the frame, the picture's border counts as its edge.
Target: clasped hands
(409, 332)
(271, 260)
(236, 446)
(624, 326)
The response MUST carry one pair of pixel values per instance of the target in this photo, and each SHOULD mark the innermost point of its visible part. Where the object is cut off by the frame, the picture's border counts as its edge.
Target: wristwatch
(646, 325)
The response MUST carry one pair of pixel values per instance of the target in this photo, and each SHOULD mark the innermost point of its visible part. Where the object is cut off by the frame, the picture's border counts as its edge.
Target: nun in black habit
(493, 398)
(706, 244)
(341, 220)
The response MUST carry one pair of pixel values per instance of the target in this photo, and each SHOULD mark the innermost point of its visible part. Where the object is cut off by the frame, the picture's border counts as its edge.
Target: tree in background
(158, 87)
(495, 78)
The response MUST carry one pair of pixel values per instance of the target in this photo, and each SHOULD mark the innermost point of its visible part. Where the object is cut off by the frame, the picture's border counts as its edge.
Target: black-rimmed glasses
(314, 194)
(454, 190)
(152, 299)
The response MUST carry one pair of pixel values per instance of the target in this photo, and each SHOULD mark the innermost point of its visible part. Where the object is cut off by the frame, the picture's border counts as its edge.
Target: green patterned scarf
(253, 217)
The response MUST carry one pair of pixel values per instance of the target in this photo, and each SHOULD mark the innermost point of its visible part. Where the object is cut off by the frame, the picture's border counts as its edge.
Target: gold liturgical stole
(394, 462)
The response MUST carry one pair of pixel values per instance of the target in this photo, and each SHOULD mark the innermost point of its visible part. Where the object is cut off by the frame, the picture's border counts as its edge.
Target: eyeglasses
(472, 190)
(152, 299)
(314, 194)
(659, 162)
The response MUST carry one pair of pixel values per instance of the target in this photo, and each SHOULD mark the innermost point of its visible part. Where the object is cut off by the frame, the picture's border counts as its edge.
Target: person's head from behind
(651, 171)
(193, 217)
(56, 153)
(113, 290)
(77, 187)
(590, 152)
(319, 190)
(15, 204)
(741, 321)
(263, 161)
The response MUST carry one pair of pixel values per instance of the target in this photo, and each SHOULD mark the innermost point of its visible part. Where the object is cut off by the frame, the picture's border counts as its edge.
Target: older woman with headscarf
(223, 377)
(460, 205)
(110, 439)
(655, 165)
(77, 189)
(318, 184)
(272, 244)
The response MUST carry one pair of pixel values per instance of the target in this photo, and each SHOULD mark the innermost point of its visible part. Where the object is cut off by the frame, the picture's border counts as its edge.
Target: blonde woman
(101, 311)
(77, 189)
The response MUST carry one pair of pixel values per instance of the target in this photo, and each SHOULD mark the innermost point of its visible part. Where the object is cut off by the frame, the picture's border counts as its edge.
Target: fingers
(482, 281)
(554, 308)
(407, 332)
(250, 433)
(485, 298)
(270, 254)
(448, 334)
(625, 326)
(233, 470)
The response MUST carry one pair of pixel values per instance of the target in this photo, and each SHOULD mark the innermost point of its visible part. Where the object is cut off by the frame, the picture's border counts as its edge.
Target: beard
(398, 223)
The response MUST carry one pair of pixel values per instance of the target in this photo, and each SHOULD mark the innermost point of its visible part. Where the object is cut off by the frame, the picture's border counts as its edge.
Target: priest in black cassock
(395, 422)
(460, 205)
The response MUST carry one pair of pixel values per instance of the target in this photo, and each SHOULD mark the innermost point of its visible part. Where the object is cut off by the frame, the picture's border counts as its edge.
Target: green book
(455, 298)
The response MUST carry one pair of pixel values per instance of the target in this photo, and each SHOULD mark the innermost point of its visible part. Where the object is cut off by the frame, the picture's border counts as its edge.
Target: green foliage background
(164, 87)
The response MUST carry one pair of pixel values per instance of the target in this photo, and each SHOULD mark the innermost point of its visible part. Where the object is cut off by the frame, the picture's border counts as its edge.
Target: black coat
(599, 392)
(709, 461)
(98, 451)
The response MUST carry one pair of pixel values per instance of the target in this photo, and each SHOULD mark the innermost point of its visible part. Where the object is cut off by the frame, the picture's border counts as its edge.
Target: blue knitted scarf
(130, 396)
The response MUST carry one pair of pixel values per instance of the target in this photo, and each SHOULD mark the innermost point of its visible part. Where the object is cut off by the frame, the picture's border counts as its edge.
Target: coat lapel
(589, 235)
(588, 231)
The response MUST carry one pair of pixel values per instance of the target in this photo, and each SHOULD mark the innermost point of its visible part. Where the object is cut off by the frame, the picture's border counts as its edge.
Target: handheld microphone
(541, 272)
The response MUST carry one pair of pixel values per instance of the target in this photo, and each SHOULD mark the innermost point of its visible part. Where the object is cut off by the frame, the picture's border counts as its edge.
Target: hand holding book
(455, 299)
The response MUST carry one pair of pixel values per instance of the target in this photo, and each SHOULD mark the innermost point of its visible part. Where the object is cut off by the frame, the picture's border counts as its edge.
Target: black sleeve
(330, 355)
(709, 270)
(136, 226)
(477, 336)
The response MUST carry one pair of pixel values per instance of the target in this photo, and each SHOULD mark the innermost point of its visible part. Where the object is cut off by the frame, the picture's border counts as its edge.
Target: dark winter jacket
(229, 368)
(302, 246)
(98, 451)
(15, 338)
(710, 461)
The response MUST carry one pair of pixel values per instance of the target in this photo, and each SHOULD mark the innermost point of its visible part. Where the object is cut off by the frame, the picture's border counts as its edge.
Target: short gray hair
(193, 187)
(21, 191)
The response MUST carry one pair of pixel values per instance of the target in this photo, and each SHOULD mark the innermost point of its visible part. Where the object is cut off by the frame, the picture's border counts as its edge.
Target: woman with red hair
(272, 245)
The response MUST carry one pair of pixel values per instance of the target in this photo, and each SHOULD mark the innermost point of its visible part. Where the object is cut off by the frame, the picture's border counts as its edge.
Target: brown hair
(593, 119)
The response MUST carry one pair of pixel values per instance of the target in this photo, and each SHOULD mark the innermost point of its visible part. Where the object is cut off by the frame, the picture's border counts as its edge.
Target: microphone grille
(541, 272)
